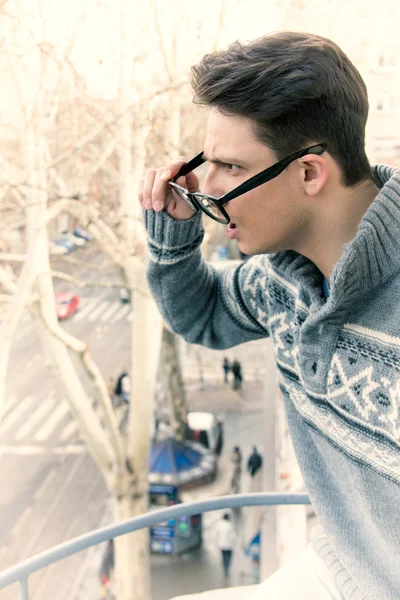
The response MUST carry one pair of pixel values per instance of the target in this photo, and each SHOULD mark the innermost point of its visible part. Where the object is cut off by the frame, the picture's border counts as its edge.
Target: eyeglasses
(214, 207)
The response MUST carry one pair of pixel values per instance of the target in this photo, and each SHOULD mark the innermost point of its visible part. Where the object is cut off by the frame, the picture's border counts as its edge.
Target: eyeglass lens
(204, 203)
(182, 194)
(210, 208)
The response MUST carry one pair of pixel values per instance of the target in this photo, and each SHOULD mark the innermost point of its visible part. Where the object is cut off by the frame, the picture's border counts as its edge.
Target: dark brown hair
(298, 89)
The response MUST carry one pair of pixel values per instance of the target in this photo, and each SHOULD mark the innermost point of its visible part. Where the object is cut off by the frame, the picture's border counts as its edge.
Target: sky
(95, 28)
(92, 28)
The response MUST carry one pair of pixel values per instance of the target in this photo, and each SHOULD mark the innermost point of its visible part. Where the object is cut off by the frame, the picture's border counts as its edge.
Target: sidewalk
(240, 582)
(200, 570)
(218, 398)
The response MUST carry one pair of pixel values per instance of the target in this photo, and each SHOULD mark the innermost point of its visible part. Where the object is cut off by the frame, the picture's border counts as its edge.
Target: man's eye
(232, 167)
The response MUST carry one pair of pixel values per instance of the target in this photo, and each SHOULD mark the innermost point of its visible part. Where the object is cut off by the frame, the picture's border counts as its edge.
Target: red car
(66, 304)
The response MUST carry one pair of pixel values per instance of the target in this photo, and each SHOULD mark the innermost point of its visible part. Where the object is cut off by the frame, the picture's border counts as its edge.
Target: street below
(52, 490)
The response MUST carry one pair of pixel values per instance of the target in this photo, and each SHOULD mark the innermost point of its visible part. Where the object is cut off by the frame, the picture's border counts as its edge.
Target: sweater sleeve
(218, 309)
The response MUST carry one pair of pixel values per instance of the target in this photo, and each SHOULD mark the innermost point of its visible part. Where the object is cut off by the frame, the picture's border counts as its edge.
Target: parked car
(124, 296)
(77, 241)
(82, 233)
(56, 249)
(67, 304)
(65, 244)
(206, 429)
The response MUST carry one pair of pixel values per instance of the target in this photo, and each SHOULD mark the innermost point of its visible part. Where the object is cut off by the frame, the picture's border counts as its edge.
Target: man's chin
(252, 250)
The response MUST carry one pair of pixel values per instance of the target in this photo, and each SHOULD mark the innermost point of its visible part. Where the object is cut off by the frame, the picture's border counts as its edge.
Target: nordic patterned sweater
(339, 369)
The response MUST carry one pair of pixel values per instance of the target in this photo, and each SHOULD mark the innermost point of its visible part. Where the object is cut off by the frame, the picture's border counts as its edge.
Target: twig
(77, 283)
(81, 348)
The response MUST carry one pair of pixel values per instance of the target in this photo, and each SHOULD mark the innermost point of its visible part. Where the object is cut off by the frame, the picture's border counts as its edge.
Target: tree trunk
(132, 563)
(173, 383)
(93, 434)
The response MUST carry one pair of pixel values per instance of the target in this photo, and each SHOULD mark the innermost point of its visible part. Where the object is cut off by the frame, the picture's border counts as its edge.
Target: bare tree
(122, 459)
(173, 385)
(65, 146)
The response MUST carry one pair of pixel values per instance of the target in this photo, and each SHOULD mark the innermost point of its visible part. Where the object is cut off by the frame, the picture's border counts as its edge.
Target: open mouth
(231, 231)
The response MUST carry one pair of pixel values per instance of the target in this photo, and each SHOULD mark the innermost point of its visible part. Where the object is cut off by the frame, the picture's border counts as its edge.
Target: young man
(324, 283)
(255, 461)
(226, 537)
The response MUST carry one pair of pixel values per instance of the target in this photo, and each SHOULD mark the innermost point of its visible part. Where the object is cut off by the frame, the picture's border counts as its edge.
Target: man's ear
(313, 171)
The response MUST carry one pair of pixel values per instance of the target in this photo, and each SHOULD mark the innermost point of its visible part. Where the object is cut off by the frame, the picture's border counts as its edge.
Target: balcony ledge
(232, 593)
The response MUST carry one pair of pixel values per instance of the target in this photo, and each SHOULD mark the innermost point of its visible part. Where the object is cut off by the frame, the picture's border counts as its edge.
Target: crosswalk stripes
(8, 405)
(81, 314)
(110, 311)
(98, 309)
(122, 313)
(52, 422)
(38, 415)
(69, 431)
(12, 417)
(96, 312)
(35, 420)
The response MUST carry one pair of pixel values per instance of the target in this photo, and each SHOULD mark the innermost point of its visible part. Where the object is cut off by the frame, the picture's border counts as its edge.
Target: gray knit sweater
(338, 363)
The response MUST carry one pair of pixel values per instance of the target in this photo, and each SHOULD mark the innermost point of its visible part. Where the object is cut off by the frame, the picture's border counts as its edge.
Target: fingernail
(166, 175)
(147, 203)
(158, 205)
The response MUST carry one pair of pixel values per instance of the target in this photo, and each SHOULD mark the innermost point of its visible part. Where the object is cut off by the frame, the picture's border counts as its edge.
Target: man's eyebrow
(223, 160)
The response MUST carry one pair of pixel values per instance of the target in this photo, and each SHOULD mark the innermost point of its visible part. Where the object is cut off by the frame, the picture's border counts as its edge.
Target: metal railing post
(23, 584)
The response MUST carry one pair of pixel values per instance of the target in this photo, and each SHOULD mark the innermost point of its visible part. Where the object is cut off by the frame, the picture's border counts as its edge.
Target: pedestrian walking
(255, 462)
(236, 460)
(220, 437)
(226, 536)
(237, 375)
(226, 367)
(126, 388)
(289, 179)
(118, 386)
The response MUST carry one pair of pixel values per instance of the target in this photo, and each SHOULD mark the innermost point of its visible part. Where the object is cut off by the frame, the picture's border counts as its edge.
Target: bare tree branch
(78, 262)
(89, 217)
(80, 284)
(109, 122)
(81, 349)
(161, 41)
(221, 17)
(12, 257)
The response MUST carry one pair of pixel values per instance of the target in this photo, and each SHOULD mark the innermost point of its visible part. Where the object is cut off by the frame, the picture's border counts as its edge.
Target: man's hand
(156, 193)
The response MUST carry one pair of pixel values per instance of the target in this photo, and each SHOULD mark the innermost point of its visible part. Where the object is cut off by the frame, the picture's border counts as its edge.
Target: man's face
(269, 218)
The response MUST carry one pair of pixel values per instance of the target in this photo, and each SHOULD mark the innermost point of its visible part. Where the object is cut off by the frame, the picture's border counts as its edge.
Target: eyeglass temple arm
(270, 173)
(190, 166)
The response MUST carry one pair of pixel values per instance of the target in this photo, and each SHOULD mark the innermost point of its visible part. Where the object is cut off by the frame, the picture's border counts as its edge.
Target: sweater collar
(370, 259)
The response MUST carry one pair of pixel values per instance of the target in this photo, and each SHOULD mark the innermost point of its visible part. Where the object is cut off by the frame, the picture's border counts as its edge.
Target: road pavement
(199, 569)
(51, 489)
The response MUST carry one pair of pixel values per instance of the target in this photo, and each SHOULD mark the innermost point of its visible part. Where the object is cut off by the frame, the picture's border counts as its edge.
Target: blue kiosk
(173, 467)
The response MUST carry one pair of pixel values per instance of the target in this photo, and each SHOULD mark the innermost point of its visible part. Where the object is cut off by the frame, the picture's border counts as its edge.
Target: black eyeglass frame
(243, 188)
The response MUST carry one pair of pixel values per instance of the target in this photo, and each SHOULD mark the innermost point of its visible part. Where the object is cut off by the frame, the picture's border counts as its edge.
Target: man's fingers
(148, 184)
(140, 192)
(155, 191)
(160, 189)
(171, 170)
(189, 182)
(192, 182)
